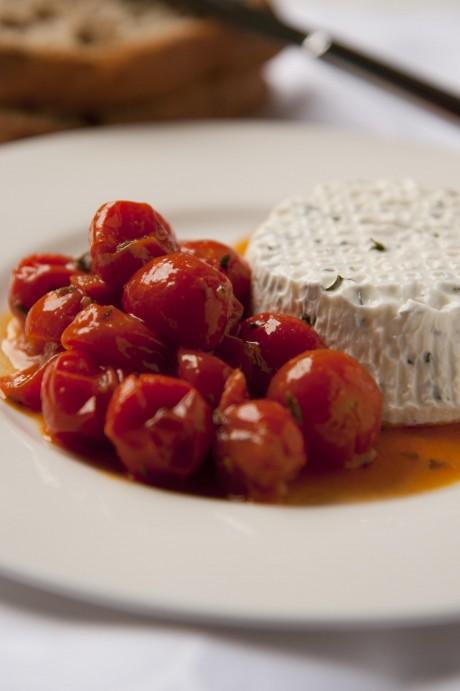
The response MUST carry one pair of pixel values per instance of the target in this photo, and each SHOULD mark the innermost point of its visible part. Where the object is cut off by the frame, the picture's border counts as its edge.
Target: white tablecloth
(48, 643)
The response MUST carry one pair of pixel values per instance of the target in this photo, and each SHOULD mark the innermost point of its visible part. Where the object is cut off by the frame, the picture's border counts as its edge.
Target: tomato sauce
(408, 461)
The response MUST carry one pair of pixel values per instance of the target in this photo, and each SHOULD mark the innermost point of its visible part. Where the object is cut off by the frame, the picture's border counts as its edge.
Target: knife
(321, 45)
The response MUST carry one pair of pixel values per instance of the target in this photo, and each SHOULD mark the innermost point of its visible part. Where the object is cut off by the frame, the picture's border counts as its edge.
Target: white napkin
(420, 36)
(48, 643)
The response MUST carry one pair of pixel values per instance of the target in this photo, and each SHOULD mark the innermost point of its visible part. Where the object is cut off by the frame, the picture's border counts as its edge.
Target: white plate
(69, 527)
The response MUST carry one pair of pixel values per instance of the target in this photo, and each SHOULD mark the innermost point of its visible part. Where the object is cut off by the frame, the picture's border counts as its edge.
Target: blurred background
(71, 63)
(420, 35)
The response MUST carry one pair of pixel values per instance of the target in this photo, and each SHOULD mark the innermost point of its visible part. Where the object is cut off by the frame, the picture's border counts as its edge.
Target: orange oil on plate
(409, 460)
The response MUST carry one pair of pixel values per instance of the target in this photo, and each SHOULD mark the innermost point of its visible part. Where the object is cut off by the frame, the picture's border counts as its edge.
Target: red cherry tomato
(75, 393)
(335, 401)
(258, 450)
(235, 390)
(205, 372)
(246, 356)
(184, 300)
(116, 339)
(226, 260)
(49, 316)
(36, 275)
(160, 426)
(126, 235)
(94, 287)
(24, 387)
(236, 312)
(280, 337)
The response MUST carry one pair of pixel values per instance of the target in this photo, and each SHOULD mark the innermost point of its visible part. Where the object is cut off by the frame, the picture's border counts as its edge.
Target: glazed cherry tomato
(205, 372)
(75, 393)
(246, 356)
(94, 287)
(226, 260)
(280, 337)
(336, 403)
(235, 390)
(183, 299)
(161, 427)
(24, 387)
(36, 275)
(116, 338)
(49, 316)
(236, 313)
(126, 235)
(258, 450)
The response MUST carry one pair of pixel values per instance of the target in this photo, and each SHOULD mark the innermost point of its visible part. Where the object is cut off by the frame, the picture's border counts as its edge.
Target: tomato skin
(184, 300)
(236, 313)
(75, 393)
(235, 390)
(258, 450)
(205, 372)
(36, 275)
(161, 427)
(224, 259)
(246, 356)
(95, 288)
(336, 402)
(24, 387)
(280, 337)
(124, 236)
(116, 338)
(49, 316)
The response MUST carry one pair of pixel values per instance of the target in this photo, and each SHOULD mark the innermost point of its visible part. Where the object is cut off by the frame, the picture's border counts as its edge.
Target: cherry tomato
(226, 260)
(49, 316)
(246, 356)
(126, 235)
(75, 393)
(236, 312)
(280, 337)
(184, 300)
(335, 402)
(95, 288)
(258, 450)
(116, 338)
(36, 275)
(207, 373)
(235, 390)
(23, 387)
(160, 426)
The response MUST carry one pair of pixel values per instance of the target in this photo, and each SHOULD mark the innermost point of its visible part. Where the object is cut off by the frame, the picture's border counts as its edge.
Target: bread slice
(90, 56)
(17, 123)
(231, 95)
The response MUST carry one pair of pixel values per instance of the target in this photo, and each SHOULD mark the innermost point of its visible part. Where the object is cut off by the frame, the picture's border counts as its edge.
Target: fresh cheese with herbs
(375, 267)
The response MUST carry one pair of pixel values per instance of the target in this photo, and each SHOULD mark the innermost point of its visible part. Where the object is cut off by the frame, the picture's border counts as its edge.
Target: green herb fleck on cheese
(378, 246)
(336, 284)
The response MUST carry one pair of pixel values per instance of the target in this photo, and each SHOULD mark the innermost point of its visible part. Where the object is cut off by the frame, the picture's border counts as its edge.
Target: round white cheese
(375, 267)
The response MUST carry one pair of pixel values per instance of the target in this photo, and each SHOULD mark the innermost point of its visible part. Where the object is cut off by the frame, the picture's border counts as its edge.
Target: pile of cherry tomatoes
(144, 345)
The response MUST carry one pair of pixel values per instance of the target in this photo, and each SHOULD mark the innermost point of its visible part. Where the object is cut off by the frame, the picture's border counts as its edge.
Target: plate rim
(192, 615)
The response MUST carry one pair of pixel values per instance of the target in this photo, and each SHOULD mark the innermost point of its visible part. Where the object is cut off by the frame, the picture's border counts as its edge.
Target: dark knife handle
(321, 45)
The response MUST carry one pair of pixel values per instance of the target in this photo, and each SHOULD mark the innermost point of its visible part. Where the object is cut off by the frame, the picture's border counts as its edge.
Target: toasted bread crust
(89, 79)
(231, 95)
